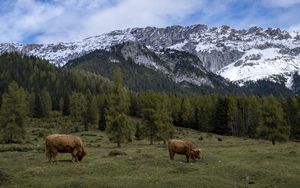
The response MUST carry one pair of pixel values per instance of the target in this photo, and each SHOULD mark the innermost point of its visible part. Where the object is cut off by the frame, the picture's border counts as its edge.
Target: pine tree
(118, 129)
(91, 113)
(232, 114)
(158, 120)
(274, 126)
(117, 125)
(42, 104)
(103, 108)
(138, 131)
(66, 105)
(46, 103)
(77, 106)
(38, 108)
(292, 112)
(186, 112)
(254, 115)
(13, 114)
(31, 103)
(204, 109)
(220, 119)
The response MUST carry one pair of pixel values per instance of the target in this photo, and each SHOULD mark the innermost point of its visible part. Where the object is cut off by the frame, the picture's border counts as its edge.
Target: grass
(232, 162)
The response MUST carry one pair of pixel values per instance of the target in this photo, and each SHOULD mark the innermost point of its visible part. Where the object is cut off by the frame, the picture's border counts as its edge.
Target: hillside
(169, 70)
(34, 74)
(228, 163)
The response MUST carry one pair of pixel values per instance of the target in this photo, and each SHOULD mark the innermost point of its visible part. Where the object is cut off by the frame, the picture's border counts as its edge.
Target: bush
(44, 133)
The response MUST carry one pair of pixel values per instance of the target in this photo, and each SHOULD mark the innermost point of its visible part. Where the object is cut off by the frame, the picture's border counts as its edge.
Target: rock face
(238, 55)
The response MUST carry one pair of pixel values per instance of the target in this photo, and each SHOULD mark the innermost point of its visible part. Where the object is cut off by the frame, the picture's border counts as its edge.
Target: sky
(51, 21)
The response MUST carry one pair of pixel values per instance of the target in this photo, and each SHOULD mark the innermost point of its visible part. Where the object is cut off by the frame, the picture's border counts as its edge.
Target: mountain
(242, 56)
(167, 70)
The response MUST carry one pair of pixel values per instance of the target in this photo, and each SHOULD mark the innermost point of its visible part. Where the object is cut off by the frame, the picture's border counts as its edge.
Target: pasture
(232, 162)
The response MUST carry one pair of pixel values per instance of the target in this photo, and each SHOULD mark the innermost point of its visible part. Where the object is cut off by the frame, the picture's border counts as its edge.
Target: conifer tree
(254, 115)
(292, 112)
(66, 105)
(232, 114)
(158, 120)
(46, 102)
(186, 112)
(38, 108)
(13, 114)
(117, 126)
(91, 113)
(220, 119)
(274, 126)
(77, 106)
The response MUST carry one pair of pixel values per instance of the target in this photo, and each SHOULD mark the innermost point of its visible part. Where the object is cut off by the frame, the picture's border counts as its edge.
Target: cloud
(48, 21)
(69, 20)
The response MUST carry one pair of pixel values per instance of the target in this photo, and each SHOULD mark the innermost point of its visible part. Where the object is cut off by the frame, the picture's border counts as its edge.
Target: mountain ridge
(237, 55)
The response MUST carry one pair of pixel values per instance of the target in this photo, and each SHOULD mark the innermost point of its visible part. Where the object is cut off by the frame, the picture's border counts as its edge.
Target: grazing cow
(61, 143)
(186, 148)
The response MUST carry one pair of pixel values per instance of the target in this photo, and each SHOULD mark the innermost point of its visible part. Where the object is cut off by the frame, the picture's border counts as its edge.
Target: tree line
(111, 107)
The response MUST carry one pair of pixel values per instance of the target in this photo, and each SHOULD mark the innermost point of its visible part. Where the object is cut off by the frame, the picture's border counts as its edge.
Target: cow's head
(81, 153)
(196, 153)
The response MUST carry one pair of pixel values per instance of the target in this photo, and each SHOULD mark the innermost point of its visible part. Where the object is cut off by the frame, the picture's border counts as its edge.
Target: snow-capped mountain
(238, 55)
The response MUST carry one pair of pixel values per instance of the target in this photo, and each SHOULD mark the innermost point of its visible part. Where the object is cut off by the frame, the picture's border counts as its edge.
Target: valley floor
(232, 162)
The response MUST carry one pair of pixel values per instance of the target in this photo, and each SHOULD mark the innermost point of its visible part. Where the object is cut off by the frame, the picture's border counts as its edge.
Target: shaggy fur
(186, 148)
(61, 143)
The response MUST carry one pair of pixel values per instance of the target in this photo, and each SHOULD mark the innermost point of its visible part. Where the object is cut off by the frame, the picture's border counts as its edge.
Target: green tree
(91, 113)
(292, 112)
(66, 105)
(157, 119)
(102, 117)
(232, 114)
(220, 119)
(185, 113)
(117, 126)
(13, 114)
(274, 126)
(77, 106)
(38, 108)
(46, 102)
(254, 115)
(118, 129)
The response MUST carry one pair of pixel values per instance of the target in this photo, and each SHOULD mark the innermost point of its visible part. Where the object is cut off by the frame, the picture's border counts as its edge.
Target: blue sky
(49, 21)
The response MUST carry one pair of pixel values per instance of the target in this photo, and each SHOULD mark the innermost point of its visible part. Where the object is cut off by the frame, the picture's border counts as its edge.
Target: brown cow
(61, 143)
(186, 148)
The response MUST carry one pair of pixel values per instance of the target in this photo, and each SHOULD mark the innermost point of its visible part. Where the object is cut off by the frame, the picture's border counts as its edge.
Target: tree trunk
(273, 141)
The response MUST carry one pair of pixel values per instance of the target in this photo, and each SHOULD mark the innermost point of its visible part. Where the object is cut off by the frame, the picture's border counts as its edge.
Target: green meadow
(228, 162)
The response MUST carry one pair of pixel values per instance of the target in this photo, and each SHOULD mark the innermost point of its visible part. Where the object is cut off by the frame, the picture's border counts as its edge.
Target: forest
(34, 89)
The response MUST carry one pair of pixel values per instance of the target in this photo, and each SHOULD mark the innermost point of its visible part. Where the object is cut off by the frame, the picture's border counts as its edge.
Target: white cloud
(71, 20)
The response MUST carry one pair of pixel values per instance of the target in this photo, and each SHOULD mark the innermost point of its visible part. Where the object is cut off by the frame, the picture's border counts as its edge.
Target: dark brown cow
(61, 143)
(186, 148)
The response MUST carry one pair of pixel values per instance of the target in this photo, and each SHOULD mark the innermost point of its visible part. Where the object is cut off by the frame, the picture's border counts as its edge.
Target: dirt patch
(117, 153)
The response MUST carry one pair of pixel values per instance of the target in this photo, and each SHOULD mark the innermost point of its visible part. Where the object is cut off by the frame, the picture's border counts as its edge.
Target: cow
(62, 143)
(186, 148)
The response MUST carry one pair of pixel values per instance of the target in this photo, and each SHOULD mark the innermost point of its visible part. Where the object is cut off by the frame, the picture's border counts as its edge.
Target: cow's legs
(49, 157)
(187, 158)
(171, 153)
(74, 155)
